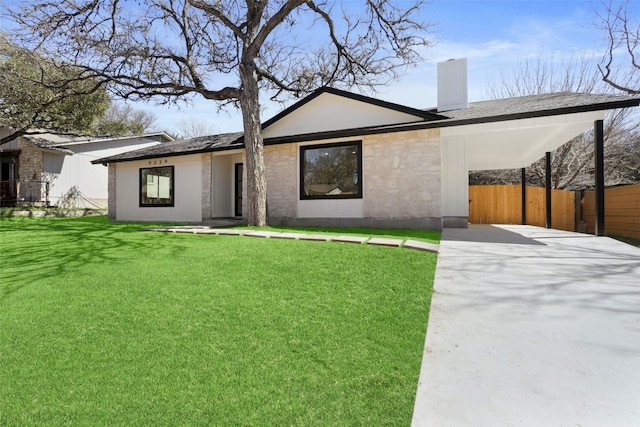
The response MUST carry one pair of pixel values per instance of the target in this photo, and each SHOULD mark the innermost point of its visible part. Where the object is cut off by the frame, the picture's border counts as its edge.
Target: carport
(512, 134)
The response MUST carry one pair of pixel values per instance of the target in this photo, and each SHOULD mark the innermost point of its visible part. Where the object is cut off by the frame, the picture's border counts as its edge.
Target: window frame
(141, 185)
(304, 148)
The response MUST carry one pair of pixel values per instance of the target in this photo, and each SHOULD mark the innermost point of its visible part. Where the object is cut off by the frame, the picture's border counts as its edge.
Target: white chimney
(452, 84)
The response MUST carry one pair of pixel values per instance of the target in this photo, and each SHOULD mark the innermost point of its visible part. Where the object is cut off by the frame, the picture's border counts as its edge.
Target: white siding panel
(455, 178)
(77, 171)
(330, 112)
(518, 143)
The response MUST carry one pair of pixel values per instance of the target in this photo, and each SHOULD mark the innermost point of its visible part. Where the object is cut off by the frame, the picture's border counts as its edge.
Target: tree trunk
(256, 179)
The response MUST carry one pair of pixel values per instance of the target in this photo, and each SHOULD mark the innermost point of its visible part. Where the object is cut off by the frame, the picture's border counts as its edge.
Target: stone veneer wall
(111, 203)
(402, 176)
(30, 168)
(401, 182)
(206, 186)
(282, 179)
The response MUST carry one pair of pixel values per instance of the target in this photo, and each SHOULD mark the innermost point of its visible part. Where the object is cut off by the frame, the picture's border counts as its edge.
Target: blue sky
(494, 36)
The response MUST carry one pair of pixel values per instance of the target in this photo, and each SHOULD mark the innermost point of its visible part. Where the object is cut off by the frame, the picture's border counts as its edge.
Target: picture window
(331, 171)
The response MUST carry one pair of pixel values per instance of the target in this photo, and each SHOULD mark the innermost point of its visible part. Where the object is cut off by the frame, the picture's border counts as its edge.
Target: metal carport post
(598, 140)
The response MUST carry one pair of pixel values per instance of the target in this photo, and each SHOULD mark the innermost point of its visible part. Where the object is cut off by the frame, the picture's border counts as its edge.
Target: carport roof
(500, 110)
(550, 104)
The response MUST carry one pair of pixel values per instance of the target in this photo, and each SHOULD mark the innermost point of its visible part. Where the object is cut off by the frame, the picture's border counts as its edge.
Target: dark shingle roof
(538, 106)
(201, 144)
(46, 144)
(478, 112)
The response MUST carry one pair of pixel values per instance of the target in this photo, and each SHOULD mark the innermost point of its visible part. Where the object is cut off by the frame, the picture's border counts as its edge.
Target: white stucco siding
(187, 190)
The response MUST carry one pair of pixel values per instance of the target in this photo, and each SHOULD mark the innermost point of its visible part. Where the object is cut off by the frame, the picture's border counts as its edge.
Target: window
(331, 171)
(156, 186)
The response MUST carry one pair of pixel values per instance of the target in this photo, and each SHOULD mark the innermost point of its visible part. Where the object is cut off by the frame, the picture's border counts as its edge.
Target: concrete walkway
(375, 241)
(532, 327)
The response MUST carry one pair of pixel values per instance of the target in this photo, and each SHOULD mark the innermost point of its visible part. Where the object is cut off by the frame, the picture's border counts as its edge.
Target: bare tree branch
(623, 40)
(572, 163)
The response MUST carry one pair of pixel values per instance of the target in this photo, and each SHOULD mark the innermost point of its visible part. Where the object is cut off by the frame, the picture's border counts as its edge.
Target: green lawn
(101, 324)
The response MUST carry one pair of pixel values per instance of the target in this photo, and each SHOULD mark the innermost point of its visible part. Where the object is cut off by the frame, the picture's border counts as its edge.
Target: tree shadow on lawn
(38, 249)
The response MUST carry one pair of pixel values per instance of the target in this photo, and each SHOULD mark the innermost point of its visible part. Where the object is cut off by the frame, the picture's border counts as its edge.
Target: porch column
(547, 158)
(598, 135)
(523, 180)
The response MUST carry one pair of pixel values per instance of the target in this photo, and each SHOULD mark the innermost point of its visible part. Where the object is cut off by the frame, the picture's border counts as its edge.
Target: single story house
(342, 159)
(49, 169)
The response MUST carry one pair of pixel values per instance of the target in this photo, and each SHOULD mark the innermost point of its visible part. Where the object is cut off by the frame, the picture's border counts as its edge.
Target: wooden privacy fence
(502, 204)
(621, 211)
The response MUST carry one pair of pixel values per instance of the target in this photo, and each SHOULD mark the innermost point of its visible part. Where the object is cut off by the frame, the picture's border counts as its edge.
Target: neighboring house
(341, 159)
(51, 169)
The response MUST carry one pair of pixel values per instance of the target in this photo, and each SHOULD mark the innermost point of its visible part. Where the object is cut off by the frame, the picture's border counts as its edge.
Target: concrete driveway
(532, 327)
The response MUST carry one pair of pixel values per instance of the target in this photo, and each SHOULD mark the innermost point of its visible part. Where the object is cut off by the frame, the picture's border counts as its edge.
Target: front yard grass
(101, 324)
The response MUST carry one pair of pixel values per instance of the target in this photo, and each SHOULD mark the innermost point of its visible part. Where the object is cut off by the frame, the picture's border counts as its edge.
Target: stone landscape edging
(375, 241)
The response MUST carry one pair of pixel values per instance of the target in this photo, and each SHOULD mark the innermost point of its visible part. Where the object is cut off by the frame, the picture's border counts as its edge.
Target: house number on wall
(157, 162)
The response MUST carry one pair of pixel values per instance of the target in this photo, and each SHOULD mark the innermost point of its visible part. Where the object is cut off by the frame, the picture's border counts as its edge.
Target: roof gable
(329, 109)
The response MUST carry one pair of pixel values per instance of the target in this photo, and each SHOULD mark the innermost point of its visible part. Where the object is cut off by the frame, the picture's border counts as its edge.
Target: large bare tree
(620, 66)
(572, 163)
(228, 51)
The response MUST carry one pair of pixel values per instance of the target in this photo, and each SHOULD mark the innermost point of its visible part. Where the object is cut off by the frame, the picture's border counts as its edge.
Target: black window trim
(303, 148)
(156, 205)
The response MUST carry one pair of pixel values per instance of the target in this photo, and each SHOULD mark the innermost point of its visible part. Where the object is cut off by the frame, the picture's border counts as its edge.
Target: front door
(238, 189)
